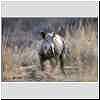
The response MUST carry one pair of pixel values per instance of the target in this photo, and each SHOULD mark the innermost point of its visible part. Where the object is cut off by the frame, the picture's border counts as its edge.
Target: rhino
(53, 46)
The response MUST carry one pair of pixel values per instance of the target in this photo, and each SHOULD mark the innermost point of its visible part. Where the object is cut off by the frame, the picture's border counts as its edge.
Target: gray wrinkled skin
(52, 47)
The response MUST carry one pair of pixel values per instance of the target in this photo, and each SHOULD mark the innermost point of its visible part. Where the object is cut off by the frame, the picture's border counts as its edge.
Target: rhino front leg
(41, 64)
(62, 64)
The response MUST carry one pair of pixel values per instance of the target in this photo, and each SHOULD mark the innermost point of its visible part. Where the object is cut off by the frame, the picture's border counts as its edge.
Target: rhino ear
(43, 34)
(54, 34)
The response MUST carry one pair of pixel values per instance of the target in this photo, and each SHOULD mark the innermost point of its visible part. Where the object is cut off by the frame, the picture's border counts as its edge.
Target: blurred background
(21, 42)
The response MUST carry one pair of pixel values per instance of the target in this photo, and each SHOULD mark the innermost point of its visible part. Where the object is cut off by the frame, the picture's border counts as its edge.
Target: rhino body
(52, 47)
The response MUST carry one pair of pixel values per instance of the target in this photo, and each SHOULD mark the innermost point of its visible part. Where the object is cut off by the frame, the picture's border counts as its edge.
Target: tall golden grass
(83, 55)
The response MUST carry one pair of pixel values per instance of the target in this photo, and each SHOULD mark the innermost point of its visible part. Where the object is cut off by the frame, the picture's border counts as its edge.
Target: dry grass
(22, 64)
(8, 65)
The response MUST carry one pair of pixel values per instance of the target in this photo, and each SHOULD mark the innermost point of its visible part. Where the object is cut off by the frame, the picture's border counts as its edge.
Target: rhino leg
(62, 64)
(42, 63)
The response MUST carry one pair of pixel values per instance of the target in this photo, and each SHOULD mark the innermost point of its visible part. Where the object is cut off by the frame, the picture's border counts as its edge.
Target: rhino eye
(45, 47)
